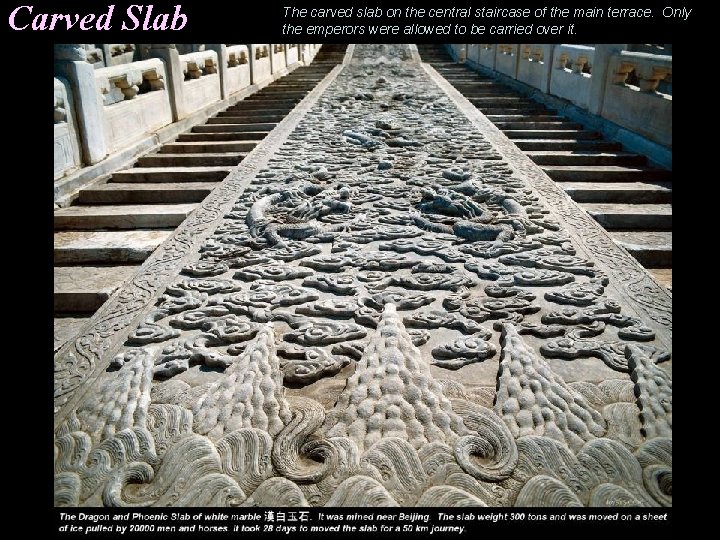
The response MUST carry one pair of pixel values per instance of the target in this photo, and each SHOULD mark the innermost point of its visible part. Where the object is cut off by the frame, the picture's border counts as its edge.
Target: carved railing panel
(136, 101)
(577, 59)
(196, 64)
(238, 68)
(202, 81)
(237, 55)
(261, 66)
(649, 71)
(126, 81)
(633, 96)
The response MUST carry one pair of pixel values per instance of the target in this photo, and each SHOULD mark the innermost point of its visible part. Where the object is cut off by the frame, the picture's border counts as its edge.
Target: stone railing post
(493, 48)
(603, 53)
(168, 53)
(219, 48)
(507, 59)
(549, 52)
(473, 52)
(572, 72)
(251, 60)
(535, 65)
(292, 54)
(67, 142)
(71, 63)
(260, 62)
(278, 62)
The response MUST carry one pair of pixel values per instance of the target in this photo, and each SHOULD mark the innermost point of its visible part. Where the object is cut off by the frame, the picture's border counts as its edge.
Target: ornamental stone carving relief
(387, 312)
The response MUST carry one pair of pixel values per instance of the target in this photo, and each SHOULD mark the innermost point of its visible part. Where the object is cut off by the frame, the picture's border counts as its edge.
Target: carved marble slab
(383, 305)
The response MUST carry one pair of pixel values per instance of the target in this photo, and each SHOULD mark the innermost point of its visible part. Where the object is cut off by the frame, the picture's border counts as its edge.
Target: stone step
(631, 216)
(307, 79)
(472, 83)
(193, 147)
(482, 87)
(577, 134)
(495, 118)
(241, 118)
(291, 85)
(66, 328)
(305, 83)
(135, 193)
(127, 216)
(222, 136)
(558, 124)
(292, 88)
(650, 248)
(246, 104)
(97, 247)
(451, 69)
(454, 68)
(480, 92)
(566, 144)
(662, 275)
(271, 100)
(502, 100)
(192, 160)
(234, 128)
(464, 78)
(619, 192)
(171, 174)
(268, 111)
(289, 81)
(268, 93)
(469, 79)
(606, 173)
(318, 64)
(522, 110)
(313, 69)
(83, 289)
(586, 158)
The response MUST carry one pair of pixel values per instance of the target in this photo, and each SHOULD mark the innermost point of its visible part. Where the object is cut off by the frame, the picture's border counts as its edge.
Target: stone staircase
(631, 199)
(114, 226)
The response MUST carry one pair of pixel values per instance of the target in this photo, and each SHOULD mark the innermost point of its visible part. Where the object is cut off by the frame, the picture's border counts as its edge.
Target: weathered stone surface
(122, 217)
(85, 288)
(391, 316)
(135, 193)
(106, 246)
